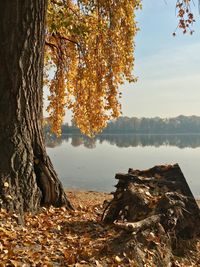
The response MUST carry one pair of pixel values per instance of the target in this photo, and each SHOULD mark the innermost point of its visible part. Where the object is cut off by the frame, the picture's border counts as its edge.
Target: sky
(168, 67)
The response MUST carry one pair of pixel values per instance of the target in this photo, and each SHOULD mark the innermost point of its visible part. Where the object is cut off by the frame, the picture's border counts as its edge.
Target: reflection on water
(95, 168)
(181, 141)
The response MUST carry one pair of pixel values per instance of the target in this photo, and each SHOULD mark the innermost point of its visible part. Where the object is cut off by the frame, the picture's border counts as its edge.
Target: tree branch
(51, 45)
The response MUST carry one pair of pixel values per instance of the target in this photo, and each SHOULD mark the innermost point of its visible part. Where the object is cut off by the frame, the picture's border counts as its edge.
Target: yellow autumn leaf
(6, 184)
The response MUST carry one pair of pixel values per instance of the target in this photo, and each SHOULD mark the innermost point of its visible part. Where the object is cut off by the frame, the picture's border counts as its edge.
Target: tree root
(157, 209)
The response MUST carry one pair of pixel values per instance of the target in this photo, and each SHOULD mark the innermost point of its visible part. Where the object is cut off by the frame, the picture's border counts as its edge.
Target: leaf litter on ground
(56, 237)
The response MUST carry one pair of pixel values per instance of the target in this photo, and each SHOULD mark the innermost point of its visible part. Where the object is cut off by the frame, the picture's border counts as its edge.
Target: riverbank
(90, 198)
(80, 198)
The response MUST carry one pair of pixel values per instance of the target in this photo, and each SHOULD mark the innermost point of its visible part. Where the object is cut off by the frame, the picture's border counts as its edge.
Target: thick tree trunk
(27, 177)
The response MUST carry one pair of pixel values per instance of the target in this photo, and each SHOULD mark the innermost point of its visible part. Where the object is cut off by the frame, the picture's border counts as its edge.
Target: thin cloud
(170, 63)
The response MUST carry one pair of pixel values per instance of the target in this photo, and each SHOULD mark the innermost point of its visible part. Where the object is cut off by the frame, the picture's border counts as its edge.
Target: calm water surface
(91, 164)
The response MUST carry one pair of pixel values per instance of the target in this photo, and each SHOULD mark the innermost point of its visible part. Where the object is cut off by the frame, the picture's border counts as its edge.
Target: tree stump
(150, 200)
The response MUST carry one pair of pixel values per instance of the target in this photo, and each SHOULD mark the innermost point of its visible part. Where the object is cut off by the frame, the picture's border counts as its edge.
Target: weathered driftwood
(155, 198)
(140, 225)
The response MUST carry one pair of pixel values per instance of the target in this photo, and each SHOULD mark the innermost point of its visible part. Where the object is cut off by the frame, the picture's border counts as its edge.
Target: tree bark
(158, 212)
(27, 177)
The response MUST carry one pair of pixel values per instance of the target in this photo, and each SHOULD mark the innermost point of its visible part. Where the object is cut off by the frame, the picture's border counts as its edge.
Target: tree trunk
(27, 177)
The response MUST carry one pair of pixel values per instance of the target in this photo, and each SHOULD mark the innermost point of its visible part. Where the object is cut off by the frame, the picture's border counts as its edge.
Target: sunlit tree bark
(27, 177)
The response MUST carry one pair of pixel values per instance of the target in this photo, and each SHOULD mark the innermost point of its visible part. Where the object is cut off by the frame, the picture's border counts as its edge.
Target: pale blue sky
(168, 67)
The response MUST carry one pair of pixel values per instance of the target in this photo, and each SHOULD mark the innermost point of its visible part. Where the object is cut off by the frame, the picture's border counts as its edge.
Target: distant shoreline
(123, 133)
(133, 125)
(128, 133)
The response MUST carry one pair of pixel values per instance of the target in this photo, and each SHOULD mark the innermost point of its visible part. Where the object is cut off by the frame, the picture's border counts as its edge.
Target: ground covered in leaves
(56, 237)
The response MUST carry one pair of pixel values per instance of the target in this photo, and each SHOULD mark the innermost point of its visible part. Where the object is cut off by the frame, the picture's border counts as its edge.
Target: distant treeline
(125, 125)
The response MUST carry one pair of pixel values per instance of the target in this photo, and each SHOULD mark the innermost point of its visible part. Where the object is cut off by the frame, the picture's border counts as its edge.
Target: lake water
(91, 164)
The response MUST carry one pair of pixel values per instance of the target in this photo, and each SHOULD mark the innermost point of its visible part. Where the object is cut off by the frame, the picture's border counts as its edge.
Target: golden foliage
(89, 46)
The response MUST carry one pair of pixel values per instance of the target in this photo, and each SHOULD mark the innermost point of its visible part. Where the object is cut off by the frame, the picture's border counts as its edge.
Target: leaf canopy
(90, 48)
